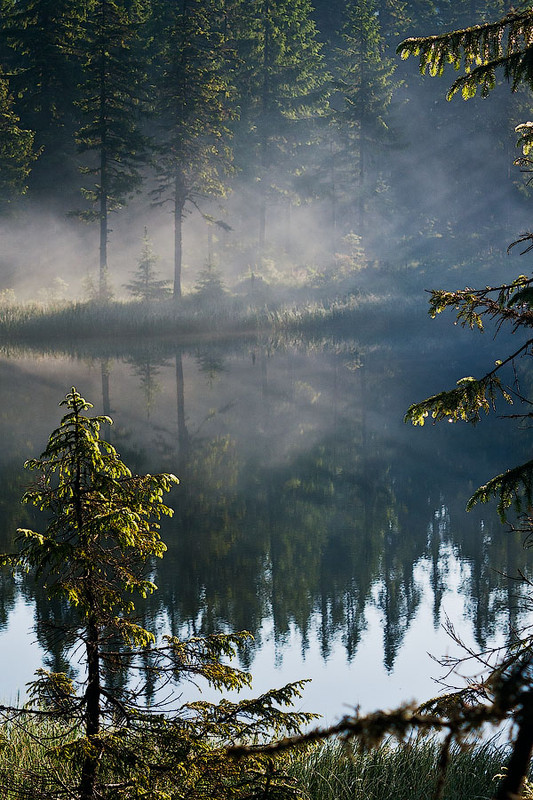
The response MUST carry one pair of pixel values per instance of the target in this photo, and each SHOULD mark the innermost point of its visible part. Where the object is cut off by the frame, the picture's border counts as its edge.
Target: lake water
(308, 512)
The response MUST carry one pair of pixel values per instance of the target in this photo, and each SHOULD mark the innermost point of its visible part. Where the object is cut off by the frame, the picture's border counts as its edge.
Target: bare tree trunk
(179, 204)
(265, 123)
(102, 284)
(104, 188)
(333, 200)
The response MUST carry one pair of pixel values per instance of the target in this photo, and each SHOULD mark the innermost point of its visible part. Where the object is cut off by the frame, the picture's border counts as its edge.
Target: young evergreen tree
(193, 109)
(111, 99)
(145, 285)
(112, 739)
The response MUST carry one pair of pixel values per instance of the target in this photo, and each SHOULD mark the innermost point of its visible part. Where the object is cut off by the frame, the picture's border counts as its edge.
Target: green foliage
(120, 739)
(111, 99)
(406, 772)
(42, 60)
(364, 82)
(194, 105)
(464, 403)
(102, 531)
(209, 289)
(283, 87)
(459, 716)
(508, 303)
(479, 50)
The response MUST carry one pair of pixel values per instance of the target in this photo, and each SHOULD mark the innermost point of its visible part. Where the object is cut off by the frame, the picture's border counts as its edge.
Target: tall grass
(29, 763)
(30, 766)
(78, 321)
(94, 320)
(392, 772)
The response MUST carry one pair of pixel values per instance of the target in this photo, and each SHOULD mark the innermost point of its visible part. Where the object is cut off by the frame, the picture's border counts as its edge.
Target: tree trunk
(102, 284)
(104, 188)
(518, 765)
(91, 760)
(362, 143)
(265, 123)
(333, 200)
(179, 204)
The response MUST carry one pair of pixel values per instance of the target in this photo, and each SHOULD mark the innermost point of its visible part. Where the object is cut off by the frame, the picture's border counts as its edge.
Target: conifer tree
(145, 285)
(17, 153)
(481, 50)
(365, 87)
(193, 109)
(39, 49)
(112, 736)
(282, 88)
(110, 101)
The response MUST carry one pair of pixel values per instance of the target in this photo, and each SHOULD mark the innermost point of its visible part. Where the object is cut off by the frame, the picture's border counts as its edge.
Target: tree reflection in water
(305, 504)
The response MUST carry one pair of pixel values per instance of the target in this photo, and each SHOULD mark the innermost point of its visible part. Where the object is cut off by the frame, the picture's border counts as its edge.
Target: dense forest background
(275, 140)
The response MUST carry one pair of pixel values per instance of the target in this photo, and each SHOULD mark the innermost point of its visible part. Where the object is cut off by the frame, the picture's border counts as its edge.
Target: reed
(30, 763)
(405, 772)
(93, 320)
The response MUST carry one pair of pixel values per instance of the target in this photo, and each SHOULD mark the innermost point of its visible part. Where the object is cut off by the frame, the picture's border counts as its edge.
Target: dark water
(308, 512)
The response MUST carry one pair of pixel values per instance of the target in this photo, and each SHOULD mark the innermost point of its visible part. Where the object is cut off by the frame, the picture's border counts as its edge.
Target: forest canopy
(279, 131)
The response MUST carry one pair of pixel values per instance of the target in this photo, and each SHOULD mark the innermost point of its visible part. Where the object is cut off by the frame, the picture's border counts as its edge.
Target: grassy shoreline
(326, 772)
(371, 314)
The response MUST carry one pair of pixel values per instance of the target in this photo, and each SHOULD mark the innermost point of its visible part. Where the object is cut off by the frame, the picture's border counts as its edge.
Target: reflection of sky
(337, 686)
(20, 655)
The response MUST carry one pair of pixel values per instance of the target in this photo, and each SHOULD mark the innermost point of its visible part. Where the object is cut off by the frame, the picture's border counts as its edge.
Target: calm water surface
(308, 512)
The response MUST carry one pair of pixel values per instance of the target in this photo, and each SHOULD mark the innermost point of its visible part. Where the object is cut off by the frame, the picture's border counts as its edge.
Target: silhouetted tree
(17, 153)
(364, 90)
(40, 41)
(281, 84)
(110, 99)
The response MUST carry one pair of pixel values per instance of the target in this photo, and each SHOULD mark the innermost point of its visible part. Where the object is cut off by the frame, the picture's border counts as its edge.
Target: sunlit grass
(29, 763)
(30, 766)
(33, 322)
(392, 772)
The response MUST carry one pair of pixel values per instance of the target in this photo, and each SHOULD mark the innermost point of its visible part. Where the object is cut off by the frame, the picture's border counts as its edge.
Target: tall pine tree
(193, 109)
(364, 91)
(17, 152)
(282, 90)
(111, 102)
(39, 51)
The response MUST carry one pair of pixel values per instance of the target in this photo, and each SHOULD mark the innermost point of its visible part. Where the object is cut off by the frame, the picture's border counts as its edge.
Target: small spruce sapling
(145, 285)
(115, 737)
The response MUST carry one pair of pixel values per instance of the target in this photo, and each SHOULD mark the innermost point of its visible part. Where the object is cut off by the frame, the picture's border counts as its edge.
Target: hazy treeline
(281, 126)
